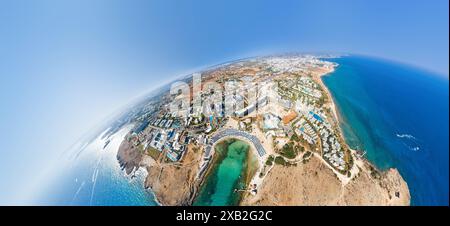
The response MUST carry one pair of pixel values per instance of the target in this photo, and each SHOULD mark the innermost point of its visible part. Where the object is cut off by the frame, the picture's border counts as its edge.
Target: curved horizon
(63, 74)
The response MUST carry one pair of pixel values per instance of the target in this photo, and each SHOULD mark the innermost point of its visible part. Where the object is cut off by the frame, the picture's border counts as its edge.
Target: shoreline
(251, 172)
(357, 158)
(213, 165)
(162, 176)
(339, 118)
(336, 112)
(245, 176)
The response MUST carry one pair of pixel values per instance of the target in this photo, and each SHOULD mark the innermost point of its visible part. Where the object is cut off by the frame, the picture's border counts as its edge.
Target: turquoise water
(218, 188)
(399, 115)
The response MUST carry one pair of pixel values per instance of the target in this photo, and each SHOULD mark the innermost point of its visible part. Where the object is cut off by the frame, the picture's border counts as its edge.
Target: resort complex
(278, 105)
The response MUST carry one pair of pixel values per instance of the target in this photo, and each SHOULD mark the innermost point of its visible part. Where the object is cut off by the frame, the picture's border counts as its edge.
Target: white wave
(410, 141)
(94, 182)
(78, 191)
(94, 176)
(405, 135)
(412, 148)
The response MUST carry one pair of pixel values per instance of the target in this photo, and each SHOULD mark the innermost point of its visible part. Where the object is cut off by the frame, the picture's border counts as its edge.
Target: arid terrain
(290, 122)
(315, 184)
(174, 183)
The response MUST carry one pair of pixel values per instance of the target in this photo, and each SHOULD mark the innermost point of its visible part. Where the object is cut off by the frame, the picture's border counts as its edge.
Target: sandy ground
(175, 184)
(315, 184)
(312, 183)
(129, 158)
(365, 190)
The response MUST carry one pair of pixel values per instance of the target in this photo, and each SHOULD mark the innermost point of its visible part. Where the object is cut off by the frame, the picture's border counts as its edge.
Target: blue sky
(65, 66)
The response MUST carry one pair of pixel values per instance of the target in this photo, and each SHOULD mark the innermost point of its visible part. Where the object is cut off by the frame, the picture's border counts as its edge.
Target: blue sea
(400, 116)
(91, 176)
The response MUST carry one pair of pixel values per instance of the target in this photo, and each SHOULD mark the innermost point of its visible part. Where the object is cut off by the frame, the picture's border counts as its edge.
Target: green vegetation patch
(152, 152)
(290, 150)
(295, 138)
(270, 160)
(280, 161)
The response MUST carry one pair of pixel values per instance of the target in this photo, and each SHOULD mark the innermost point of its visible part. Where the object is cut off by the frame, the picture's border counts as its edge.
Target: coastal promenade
(225, 133)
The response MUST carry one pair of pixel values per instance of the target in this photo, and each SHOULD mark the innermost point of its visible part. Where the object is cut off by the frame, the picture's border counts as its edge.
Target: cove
(228, 172)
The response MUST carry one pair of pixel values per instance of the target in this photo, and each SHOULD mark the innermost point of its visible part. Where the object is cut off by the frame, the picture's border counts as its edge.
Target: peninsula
(281, 109)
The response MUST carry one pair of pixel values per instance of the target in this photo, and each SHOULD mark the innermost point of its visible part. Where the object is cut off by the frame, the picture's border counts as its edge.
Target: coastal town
(278, 105)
